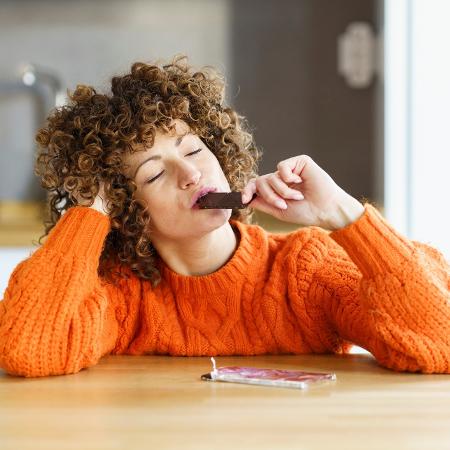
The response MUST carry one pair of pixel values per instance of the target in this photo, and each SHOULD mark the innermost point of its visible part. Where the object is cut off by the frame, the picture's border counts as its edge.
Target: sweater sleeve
(56, 316)
(387, 294)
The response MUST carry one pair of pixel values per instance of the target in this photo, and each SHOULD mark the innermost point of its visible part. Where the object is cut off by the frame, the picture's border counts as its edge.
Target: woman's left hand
(301, 192)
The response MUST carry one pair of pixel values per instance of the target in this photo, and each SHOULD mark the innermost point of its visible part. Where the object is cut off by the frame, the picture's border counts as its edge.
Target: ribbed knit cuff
(80, 230)
(373, 244)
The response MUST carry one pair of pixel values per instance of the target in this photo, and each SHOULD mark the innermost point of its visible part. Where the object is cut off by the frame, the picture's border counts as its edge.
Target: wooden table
(155, 402)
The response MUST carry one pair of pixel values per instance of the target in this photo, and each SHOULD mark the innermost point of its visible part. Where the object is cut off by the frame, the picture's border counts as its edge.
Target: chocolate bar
(222, 200)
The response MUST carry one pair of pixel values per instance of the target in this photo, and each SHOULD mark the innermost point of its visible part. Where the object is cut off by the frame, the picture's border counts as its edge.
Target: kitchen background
(311, 76)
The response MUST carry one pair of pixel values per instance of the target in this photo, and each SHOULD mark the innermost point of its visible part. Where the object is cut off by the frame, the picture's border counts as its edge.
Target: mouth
(201, 193)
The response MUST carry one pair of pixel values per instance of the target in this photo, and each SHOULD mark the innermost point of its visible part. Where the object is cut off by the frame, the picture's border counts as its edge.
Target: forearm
(400, 306)
(54, 306)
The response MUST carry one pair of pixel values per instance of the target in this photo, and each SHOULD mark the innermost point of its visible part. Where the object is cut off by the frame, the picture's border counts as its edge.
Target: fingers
(248, 191)
(270, 196)
(272, 189)
(282, 189)
(275, 191)
(291, 168)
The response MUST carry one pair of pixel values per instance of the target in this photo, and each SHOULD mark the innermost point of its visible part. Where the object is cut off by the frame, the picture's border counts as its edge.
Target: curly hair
(83, 143)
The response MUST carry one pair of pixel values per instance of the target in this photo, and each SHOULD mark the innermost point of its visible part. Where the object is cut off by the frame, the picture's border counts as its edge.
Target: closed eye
(196, 151)
(157, 176)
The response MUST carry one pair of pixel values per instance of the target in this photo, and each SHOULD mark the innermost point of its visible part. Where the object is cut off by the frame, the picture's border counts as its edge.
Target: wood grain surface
(131, 402)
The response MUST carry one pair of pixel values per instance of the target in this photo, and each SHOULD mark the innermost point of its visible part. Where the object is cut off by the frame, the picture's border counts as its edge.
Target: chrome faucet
(45, 90)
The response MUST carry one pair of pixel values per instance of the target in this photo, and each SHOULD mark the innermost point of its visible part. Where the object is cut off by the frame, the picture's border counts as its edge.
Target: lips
(201, 192)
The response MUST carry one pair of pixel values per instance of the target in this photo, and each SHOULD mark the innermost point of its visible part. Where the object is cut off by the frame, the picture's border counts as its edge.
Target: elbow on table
(426, 364)
(31, 366)
(22, 368)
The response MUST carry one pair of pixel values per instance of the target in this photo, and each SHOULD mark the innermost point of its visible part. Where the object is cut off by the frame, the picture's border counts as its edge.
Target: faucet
(45, 89)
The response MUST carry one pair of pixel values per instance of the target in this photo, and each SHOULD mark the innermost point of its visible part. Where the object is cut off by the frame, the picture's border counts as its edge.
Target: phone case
(296, 379)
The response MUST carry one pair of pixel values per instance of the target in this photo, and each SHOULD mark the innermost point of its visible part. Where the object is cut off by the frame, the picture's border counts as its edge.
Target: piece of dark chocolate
(222, 200)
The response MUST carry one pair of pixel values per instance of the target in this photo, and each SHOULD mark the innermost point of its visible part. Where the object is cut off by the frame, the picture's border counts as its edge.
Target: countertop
(137, 402)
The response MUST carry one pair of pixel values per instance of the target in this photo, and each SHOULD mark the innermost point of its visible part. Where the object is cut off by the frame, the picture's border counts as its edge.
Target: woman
(131, 266)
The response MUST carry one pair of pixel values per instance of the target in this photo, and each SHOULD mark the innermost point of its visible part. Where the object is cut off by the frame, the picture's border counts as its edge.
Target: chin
(215, 218)
(219, 215)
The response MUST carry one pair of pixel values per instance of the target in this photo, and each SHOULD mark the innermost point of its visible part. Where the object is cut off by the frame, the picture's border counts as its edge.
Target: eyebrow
(156, 157)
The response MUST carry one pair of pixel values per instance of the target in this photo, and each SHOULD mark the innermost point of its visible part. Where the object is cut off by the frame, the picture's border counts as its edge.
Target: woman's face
(168, 175)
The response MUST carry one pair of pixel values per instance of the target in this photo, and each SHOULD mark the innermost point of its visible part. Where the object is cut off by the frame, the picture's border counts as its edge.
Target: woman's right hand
(99, 203)
(100, 200)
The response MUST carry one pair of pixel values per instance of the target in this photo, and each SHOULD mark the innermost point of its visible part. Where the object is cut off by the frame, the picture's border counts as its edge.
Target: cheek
(163, 206)
(214, 164)
(221, 173)
(142, 197)
(145, 199)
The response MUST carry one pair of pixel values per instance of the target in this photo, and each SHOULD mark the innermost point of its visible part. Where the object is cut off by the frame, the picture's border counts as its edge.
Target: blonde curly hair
(83, 143)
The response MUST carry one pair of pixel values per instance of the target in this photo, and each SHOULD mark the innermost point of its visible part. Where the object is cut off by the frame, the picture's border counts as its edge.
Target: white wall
(417, 140)
(430, 122)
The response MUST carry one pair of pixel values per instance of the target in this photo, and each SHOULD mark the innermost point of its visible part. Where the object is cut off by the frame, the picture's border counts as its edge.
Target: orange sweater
(300, 292)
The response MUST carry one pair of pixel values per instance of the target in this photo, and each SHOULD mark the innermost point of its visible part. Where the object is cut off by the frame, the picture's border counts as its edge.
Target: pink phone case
(296, 379)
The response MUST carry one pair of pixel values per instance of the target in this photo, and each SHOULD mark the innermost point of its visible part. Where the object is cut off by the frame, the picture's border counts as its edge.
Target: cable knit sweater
(308, 291)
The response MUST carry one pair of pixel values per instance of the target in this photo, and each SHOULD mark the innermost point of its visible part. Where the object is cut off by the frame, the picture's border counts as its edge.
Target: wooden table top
(129, 402)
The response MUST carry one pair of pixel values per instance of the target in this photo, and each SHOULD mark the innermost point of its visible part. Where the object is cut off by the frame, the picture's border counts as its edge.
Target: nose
(188, 174)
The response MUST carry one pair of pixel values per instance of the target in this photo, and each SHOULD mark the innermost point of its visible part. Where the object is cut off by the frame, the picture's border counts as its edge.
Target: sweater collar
(248, 251)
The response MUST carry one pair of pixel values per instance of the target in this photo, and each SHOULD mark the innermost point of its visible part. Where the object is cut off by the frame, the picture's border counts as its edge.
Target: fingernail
(298, 196)
(281, 204)
(296, 179)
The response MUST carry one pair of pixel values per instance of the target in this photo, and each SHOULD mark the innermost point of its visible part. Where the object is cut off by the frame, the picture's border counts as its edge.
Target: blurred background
(359, 85)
